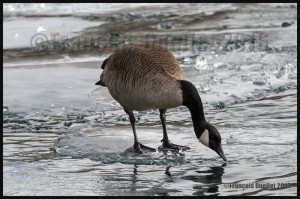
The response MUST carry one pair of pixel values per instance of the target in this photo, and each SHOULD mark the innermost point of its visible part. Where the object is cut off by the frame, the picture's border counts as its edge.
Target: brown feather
(104, 63)
(141, 77)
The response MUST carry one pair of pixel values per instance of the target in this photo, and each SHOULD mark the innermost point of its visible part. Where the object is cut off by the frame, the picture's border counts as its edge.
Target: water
(62, 135)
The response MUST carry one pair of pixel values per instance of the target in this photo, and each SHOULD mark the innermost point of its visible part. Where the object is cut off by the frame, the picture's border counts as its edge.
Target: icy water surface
(62, 135)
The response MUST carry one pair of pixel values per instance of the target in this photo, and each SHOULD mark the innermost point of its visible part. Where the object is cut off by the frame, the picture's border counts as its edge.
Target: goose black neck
(192, 100)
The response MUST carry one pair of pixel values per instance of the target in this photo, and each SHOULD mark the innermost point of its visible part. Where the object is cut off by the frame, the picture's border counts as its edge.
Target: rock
(285, 24)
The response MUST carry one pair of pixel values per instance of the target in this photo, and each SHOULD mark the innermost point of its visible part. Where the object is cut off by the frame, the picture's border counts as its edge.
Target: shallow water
(62, 135)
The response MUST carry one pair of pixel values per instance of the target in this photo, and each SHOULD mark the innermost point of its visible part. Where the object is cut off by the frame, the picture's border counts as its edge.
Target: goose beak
(220, 152)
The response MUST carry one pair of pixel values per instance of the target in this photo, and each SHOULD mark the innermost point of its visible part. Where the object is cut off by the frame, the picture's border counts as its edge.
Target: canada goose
(142, 77)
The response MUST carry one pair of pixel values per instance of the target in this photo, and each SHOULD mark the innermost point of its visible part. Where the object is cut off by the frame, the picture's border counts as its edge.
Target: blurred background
(63, 135)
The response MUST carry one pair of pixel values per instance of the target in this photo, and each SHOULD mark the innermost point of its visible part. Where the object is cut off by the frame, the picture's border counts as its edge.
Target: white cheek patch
(204, 138)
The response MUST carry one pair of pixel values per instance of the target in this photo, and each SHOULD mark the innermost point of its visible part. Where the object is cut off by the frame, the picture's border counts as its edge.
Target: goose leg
(137, 146)
(166, 144)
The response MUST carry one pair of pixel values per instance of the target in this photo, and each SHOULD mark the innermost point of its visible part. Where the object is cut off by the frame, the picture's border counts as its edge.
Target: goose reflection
(134, 180)
(209, 180)
(204, 182)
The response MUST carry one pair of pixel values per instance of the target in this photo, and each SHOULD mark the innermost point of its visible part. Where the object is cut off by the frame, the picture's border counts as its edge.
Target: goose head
(211, 138)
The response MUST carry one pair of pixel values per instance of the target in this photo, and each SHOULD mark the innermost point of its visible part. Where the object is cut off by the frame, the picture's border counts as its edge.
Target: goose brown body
(142, 77)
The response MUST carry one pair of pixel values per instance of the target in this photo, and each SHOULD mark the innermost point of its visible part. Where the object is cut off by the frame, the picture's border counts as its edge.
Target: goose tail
(101, 82)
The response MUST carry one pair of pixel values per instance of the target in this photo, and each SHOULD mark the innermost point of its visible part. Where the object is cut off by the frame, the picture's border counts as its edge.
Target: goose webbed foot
(167, 145)
(139, 148)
